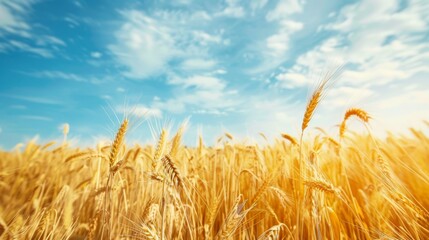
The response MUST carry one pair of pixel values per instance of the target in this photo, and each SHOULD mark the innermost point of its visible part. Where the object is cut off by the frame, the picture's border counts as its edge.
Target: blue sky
(239, 66)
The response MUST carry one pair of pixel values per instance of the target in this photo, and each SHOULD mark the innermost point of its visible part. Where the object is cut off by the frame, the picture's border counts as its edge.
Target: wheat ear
(321, 185)
(290, 138)
(171, 170)
(176, 142)
(234, 219)
(265, 185)
(117, 143)
(361, 114)
(159, 149)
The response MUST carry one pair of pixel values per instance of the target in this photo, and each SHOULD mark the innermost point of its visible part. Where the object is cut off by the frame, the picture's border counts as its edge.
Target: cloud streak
(15, 22)
(39, 100)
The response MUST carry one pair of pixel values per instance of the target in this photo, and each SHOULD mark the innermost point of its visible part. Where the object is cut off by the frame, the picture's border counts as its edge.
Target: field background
(353, 187)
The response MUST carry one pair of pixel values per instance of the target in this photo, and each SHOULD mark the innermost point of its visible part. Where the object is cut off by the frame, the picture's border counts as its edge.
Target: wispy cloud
(78, 4)
(72, 22)
(12, 17)
(17, 45)
(71, 77)
(275, 47)
(341, 97)
(278, 43)
(388, 49)
(59, 75)
(37, 118)
(198, 64)
(233, 9)
(39, 100)
(284, 9)
(199, 82)
(47, 40)
(14, 21)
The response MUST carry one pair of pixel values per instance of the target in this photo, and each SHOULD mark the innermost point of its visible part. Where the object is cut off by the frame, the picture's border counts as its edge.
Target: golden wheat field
(349, 186)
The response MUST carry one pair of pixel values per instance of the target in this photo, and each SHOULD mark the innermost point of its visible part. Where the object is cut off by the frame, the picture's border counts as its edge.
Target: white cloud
(417, 97)
(201, 16)
(200, 82)
(284, 9)
(204, 38)
(140, 110)
(291, 80)
(279, 42)
(233, 9)
(144, 45)
(171, 105)
(96, 54)
(219, 72)
(347, 96)
(201, 93)
(209, 100)
(198, 64)
(183, 2)
(274, 48)
(399, 109)
(210, 112)
(257, 4)
(236, 12)
(106, 97)
(271, 115)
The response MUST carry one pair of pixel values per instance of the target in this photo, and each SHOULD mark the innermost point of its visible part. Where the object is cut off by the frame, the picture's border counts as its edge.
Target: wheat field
(348, 186)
